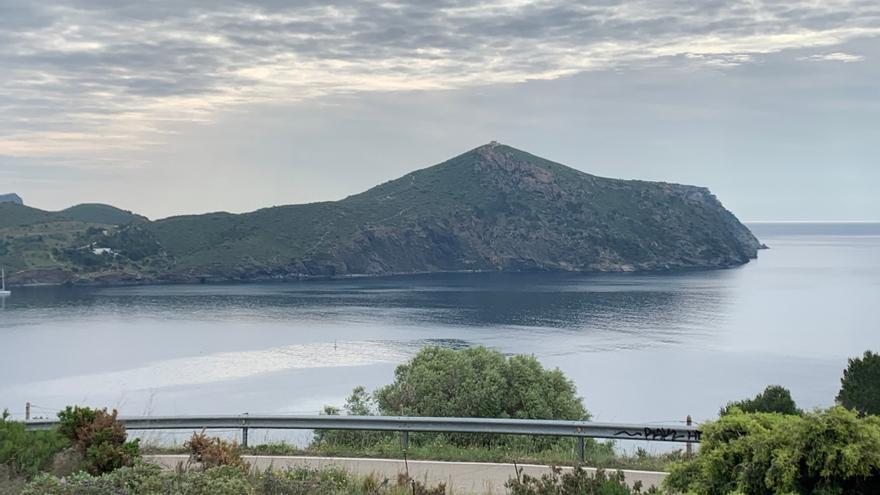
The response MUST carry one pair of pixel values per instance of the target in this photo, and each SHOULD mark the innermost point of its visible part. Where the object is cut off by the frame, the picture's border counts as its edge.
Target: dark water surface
(646, 348)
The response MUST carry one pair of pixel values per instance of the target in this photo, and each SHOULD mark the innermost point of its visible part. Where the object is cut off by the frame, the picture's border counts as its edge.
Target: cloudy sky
(178, 106)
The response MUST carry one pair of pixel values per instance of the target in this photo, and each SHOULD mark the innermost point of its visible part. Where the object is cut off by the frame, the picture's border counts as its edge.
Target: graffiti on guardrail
(662, 434)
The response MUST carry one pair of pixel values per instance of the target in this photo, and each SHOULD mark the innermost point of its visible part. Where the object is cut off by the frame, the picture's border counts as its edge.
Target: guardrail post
(244, 431)
(404, 440)
(582, 453)
(689, 449)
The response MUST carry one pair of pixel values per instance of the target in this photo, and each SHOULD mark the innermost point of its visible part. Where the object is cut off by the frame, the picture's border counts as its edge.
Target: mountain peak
(489, 145)
(490, 151)
(528, 170)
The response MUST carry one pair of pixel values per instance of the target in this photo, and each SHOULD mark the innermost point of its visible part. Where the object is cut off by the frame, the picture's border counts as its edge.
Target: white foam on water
(225, 366)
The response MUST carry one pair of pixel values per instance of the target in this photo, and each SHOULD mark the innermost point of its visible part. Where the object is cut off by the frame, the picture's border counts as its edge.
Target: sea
(641, 348)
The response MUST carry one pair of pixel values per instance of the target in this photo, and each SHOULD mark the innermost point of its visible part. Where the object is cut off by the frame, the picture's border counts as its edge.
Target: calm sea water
(641, 348)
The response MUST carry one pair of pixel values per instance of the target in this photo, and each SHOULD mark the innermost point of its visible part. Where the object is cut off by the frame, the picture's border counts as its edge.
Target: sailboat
(3, 291)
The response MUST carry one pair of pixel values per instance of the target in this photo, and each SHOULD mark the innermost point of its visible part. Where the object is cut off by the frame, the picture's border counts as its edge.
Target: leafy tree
(479, 383)
(774, 399)
(860, 385)
(473, 383)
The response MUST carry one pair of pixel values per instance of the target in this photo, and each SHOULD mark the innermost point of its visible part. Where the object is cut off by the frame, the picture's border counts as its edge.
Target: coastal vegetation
(764, 445)
(822, 452)
(576, 482)
(149, 479)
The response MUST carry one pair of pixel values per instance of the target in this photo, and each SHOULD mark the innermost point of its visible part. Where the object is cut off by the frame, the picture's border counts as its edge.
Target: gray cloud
(90, 80)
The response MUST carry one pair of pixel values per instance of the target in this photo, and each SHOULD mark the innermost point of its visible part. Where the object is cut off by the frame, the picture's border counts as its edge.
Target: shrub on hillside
(860, 385)
(26, 453)
(210, 452)
(774, 399)
(830, 452)
(99, 437)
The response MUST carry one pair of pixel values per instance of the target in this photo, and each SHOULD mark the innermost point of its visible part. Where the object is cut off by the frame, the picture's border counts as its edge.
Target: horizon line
(812, 221)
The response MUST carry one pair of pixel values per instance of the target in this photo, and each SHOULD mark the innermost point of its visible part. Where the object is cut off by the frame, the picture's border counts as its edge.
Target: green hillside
(101, 213)
(42, 247)
(17, 215)
(492, 208)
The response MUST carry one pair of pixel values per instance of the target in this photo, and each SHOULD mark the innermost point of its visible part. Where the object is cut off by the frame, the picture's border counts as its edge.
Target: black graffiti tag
(663, 434)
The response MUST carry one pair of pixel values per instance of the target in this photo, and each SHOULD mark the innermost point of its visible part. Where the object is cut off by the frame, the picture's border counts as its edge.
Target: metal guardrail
(407, 424)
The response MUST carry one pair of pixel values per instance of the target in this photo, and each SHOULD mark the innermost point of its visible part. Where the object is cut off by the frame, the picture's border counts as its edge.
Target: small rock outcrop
(11, 198)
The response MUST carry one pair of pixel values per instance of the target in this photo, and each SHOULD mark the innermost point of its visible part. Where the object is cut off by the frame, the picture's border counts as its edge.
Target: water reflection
(660, 309)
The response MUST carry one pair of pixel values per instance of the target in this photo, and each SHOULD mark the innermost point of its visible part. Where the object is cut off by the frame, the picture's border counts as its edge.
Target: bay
(639, 347)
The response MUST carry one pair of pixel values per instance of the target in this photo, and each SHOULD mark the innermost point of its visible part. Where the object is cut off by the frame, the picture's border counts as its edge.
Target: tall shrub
(99, 437)
(210, 452)
(860, 385)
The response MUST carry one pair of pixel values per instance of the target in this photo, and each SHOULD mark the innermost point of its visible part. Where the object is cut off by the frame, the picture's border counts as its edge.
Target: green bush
(24, 452)
(774, 399)
(830, 452)
(360, 403)
(576, 482)
(99, 437)
(860, 385)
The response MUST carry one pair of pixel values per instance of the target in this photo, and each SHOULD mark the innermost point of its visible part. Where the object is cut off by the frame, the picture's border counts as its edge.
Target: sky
(169, 107)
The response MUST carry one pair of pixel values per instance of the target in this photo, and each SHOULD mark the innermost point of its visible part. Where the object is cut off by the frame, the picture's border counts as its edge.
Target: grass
(148, 479)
